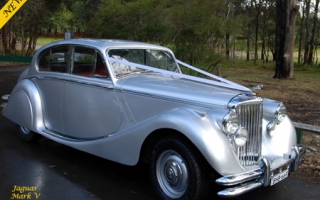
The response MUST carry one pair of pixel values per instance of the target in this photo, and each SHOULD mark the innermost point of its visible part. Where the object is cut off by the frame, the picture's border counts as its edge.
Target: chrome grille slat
(250, 117)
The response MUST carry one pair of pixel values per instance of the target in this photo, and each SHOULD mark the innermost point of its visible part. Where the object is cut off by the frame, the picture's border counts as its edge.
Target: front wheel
(177, 171)
(28, 135)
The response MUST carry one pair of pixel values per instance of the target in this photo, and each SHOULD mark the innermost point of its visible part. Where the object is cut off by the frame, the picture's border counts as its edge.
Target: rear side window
(56, 59)
(77, 60)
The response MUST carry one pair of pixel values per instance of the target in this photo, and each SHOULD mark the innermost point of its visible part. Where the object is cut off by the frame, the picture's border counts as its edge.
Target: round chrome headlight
(281, 113)
(231, 123)
(241, 136)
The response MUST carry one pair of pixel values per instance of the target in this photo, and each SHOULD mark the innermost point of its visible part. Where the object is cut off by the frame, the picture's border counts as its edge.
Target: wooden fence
(305, 127)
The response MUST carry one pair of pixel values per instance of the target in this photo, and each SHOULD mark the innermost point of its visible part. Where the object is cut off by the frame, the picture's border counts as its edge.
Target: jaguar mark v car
(130, 101)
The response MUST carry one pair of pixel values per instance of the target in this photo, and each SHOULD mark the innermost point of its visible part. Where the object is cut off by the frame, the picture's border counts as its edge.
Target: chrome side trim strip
(72, 139)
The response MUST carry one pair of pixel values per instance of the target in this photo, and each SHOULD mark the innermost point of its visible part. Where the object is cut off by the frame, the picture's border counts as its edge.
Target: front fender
(203, 130)
(24, 106)
(282, 141)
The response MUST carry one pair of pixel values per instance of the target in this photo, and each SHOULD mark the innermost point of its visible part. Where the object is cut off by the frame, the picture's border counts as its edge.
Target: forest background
(201, 32)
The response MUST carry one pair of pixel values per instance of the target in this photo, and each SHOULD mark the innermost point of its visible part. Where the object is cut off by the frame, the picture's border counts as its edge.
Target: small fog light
(241, 136)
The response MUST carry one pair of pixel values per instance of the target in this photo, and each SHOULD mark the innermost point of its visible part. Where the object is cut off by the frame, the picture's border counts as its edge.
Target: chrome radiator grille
(250, 117)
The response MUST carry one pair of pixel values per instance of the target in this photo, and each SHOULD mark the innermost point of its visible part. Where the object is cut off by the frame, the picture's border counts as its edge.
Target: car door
(52, 66)
(91, 107)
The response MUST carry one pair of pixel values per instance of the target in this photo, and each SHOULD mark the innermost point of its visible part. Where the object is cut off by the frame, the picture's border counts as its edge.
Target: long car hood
(167, 87)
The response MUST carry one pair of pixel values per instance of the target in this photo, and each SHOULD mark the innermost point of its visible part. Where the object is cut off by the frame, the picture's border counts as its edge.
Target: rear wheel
(28, 135)
(177, 171)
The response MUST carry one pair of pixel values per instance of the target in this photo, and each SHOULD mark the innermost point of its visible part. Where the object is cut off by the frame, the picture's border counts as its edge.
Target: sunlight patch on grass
(44, 40)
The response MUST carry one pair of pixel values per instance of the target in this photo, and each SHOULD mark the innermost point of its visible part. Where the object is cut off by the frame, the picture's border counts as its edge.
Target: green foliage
(196, 30)
(190, 27)
(62, 18)
(85, 58)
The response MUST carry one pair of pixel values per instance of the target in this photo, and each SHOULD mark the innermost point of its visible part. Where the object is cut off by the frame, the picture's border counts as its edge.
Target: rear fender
(24, 106)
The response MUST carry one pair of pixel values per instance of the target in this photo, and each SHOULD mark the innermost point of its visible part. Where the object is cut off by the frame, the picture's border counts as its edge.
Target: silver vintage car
(130, 101)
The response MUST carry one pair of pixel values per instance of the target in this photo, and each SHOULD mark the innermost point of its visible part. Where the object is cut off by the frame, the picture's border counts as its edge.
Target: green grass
(44, 40)
(246, 73)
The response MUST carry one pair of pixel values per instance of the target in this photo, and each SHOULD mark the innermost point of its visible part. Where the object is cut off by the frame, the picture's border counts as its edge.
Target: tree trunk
(287, 11)
(301, 36)
(306, 44)
(13, 46)
(23, 42)
(263, 49)
(249, 31)
(228, 45)
(315, 18)
(256, 33)
(248, 45)
(4, 39)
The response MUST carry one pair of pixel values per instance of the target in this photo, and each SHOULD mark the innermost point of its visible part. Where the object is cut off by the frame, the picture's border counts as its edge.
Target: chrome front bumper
(250, 180)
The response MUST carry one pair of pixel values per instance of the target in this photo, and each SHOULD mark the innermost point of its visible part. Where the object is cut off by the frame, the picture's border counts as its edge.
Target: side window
(83, 61)
(131, 55)
(56, 59)
(88, 62)
(155, 58)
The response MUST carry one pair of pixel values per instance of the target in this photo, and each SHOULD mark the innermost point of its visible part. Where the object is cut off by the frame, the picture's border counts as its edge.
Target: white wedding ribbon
(220, 81)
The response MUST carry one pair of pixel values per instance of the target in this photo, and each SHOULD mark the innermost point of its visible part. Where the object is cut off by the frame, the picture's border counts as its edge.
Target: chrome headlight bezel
(274, 112)
(238, 135)
(230, 122)
(280, 113)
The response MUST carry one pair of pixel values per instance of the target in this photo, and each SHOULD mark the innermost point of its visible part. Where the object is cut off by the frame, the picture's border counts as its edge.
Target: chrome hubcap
(172, 174)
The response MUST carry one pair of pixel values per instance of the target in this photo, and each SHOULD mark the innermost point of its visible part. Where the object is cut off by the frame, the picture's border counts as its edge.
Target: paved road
(54, 171)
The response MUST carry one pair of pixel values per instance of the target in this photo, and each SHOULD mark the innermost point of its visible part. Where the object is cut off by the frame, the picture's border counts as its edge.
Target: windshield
(153, 58)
